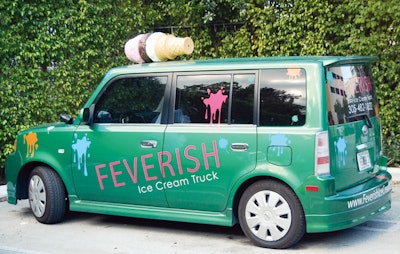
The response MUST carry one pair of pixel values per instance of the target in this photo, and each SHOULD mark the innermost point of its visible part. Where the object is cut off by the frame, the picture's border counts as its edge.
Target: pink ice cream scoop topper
(155, 47)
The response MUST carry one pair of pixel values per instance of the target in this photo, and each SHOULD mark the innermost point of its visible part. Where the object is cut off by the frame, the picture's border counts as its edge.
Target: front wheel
(47, 197)
(271, 215)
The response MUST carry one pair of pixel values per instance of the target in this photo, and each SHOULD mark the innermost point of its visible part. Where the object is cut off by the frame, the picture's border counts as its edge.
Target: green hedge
(53, 53)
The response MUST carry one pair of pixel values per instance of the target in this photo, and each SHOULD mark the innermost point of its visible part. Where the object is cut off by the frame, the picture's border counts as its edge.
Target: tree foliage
(53, 53)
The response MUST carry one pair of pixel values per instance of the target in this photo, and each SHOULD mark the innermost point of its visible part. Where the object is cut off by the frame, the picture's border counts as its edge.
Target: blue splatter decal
(278, 141)
(80, 147)
(341, 148)
(223, 143)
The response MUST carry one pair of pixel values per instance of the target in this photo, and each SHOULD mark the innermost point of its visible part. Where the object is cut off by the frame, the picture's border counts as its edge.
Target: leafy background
(54, 53)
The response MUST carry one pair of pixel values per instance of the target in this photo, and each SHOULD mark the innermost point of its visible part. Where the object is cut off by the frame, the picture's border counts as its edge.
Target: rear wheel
(271, 215)
(47, 197)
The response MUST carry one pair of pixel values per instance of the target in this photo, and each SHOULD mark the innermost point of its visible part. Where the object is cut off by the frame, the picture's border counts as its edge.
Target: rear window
(351, 93)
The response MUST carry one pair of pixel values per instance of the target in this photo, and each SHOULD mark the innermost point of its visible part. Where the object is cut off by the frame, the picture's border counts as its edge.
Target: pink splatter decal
(214, 104)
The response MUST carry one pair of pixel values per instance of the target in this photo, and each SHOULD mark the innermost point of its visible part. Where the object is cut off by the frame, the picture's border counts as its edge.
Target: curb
(395, 172)
(3, 193)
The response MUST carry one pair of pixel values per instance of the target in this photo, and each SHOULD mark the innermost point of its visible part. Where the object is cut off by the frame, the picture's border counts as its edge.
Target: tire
(271, 215)
(47, 196)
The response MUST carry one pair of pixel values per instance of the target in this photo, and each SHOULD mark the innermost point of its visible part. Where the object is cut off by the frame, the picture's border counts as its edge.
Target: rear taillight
(322, 166)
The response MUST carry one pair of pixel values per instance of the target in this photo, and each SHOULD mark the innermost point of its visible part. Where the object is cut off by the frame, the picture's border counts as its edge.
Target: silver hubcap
(37, 196)
(268, 215)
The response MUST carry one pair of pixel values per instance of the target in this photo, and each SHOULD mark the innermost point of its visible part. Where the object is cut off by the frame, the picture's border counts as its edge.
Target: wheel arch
(244, 185)
(23, 178)
(254, 193)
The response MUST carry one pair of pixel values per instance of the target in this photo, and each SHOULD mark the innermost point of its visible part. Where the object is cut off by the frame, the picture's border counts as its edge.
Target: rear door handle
(239, 146)
(148, 144)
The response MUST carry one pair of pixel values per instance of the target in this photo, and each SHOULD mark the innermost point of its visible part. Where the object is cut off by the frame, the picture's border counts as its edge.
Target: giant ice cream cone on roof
(156, 47)
(134, 47)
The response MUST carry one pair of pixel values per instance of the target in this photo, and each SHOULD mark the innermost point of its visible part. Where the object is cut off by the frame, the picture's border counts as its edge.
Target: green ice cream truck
(280, 145)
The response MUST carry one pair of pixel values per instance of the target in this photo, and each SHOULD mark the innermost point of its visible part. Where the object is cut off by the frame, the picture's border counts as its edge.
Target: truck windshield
(351, 94)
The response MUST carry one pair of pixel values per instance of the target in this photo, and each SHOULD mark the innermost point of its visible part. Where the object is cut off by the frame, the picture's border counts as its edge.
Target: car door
(212, 140)
(115, 158)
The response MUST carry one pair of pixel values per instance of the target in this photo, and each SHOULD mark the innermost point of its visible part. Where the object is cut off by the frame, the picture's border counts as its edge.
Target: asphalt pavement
(20, 233)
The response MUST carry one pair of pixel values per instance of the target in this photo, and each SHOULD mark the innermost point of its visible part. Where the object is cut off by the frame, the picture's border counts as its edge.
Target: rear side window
(351, 93)
(283, 97)
(215, 99)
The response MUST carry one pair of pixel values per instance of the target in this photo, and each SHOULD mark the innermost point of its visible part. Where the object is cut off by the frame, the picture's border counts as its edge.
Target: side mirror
(65, 118)
(87, 115)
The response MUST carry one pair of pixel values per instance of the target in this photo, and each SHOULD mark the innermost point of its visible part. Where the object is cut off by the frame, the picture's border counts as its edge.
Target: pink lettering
(189, 157)
(212, 154)
(178, 161)
(115, 173)
(133, 176)
(367, 84)
(100, 177)
(147, 167)
(364, 84)
(165, 159)
(165, 164)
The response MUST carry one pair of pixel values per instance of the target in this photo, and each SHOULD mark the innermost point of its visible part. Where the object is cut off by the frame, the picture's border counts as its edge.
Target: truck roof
(237, 63)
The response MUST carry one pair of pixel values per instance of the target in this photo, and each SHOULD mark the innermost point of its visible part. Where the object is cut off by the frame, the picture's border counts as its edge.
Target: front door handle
(239, 146)
(148, 144)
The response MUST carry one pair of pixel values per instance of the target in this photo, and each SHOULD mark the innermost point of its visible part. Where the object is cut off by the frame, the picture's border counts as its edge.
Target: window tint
(243, 99)
(202, 99)
(215, 99)
(131, 100)
(352, 94)
(282, 97)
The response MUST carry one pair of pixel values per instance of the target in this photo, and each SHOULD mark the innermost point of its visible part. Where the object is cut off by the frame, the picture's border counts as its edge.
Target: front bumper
(13, 166)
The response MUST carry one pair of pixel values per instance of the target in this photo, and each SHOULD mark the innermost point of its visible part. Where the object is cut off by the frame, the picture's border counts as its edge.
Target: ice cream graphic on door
(155, 47)
(214, 104)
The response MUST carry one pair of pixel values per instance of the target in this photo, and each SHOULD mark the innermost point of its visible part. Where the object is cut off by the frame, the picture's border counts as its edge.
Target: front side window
(283, 97)
(131, 100)
(351, 94)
